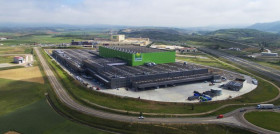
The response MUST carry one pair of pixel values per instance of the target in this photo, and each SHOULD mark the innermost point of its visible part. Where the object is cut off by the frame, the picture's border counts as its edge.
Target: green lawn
(13, 67)
(265, 119)
(272, 65)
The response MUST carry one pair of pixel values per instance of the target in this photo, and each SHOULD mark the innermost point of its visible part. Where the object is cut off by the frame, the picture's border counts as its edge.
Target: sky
(171, 13)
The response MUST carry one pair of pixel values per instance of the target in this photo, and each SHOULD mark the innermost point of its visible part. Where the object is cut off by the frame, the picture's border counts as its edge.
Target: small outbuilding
(234, 85)
(18, 59)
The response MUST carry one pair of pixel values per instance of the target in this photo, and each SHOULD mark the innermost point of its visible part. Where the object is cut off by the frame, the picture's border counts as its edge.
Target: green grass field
(24, 109)
(39, 118)
(16, 50)
(6, 59)
(13, 67)
(43, 39)
(272, 65)
(16, 94)
(51, 38)
(265, 119)
(137, 128)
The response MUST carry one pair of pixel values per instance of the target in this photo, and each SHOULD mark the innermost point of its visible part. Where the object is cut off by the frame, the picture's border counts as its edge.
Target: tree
(261, 45)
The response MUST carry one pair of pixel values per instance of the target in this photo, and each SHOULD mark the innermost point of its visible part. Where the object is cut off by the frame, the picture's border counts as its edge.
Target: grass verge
(265, 119)
(137, 128)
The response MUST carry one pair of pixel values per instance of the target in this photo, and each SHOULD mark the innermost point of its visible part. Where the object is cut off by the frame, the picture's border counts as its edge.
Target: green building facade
(136, 59)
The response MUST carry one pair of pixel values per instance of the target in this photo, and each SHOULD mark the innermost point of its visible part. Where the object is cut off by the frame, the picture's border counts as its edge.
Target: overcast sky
(178, 13)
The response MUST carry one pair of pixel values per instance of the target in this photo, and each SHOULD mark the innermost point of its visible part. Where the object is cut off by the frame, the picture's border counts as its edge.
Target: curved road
(234, 118)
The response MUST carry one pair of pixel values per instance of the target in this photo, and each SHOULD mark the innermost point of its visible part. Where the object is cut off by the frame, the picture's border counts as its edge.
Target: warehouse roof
(134, 49)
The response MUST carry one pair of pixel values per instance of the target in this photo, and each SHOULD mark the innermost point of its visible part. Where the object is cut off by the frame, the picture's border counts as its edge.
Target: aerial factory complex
(133, 67)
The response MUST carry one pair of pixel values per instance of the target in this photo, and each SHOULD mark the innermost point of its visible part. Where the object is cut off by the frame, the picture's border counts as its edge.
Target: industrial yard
(116, 70)
(182, 92)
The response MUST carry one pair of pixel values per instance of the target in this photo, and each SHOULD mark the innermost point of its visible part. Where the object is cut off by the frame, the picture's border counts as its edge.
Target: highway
(266, 71)
(234, 118)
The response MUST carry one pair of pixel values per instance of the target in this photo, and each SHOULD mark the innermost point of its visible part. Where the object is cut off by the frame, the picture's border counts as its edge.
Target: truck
(265, 106)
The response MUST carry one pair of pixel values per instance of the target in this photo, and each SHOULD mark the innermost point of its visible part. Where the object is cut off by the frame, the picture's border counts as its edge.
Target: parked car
(220, 116)
(243, 110)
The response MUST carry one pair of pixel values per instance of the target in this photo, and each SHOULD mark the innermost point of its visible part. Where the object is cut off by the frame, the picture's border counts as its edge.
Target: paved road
(232, 118)
(266, 71)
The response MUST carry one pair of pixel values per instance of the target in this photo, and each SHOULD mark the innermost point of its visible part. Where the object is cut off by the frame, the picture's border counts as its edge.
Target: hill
(168, 34)
(250, 36)
(268, 27)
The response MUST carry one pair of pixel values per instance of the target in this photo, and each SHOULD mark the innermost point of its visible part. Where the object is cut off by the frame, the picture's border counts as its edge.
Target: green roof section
(136, 55)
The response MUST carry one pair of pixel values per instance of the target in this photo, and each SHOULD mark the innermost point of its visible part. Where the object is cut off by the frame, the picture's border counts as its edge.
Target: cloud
(179, 13)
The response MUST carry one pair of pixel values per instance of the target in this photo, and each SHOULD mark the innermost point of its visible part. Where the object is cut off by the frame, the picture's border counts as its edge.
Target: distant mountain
(241, 34)
(268, 27)
(171, 34)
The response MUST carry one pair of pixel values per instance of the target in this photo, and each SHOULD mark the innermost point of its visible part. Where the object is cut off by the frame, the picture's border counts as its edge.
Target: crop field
(23, 109)
(16, 94)
(265, 119)
(29, 74)
(6, 59)
(15, 50)
(39, 118)
(43, 39)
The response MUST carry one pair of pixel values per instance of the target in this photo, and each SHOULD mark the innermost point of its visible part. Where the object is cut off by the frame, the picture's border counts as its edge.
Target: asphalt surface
(234, 118)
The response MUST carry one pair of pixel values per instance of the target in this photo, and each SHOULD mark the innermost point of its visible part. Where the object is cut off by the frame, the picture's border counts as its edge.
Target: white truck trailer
(265, 106)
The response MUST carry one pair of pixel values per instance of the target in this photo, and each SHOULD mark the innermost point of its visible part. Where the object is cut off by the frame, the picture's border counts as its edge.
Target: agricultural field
(6, 59)
(23, 107)
(28, 74)
(32, 39)
(265, 119)
(15, 50)
(39, 118)
(49, 37)
(17, 94)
